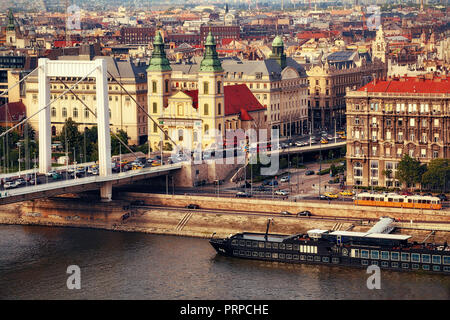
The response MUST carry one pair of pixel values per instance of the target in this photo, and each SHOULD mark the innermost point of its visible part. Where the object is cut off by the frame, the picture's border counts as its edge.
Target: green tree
(70, 137)
(116, 145)
(437, 175)
(410, 171)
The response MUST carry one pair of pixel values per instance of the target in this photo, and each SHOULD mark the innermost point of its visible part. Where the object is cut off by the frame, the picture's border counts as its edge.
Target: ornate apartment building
(124, 112)
(329, 81)
(387, 119)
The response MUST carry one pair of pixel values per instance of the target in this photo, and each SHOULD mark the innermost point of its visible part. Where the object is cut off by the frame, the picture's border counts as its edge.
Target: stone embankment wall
(201, 223)
(334, 209)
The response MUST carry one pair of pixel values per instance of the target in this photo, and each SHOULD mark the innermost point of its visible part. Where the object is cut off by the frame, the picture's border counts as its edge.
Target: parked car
(20, 182)
(286, 213)
(346, 193)
(270, 183)
(305, 213)
(243, 195)
(281, 193)
(285, 179)
(324, 197)
(309, 172)
(331, 195)
(192, 206)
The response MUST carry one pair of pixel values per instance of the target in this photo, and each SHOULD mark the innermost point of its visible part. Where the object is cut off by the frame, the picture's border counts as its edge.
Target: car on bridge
(192, 206)
(309, 173)
(286, 213)
(56, 176)
(285, 179)
(331, 195)
(323, 141)
(50, 173)
(10, 185)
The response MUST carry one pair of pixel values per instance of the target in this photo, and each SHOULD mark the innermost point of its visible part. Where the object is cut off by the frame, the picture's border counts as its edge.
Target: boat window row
(403, 265)
(283, 256)
(400, 256)
(267, 245)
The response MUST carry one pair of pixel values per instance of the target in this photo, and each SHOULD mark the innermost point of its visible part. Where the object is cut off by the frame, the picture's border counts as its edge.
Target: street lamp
(19, 145)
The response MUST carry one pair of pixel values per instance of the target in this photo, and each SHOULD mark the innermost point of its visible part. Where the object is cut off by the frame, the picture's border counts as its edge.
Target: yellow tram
(398, 201)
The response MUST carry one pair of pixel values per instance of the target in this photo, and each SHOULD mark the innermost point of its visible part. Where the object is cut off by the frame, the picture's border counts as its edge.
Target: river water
(119, 265)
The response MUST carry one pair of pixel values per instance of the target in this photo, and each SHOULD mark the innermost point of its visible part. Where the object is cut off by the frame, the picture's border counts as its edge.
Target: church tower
(211, 98)
(11, 30)
(159, 87)
(380, 46)
(278, 52)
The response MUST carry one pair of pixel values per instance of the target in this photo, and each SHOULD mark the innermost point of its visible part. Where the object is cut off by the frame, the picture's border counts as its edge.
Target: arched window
(75, 112)
(206, 109)
(53, 131)
(220, 128)
(219, 87)
(180, 134)
(219, 109)
(64, 112)
(206, 129)
(86, 112)
(53, 112)
(167, 85)
(195, 136)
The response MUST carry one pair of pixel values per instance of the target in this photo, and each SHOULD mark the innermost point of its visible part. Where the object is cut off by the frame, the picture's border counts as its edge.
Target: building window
(64, 112)
(86, 112)
(154, 86)
(75, 112)
(206, 128)
(205, 87)
(53, 112)
(206, 109)
(219, 109)
(166, 82)
(219, 87)
(155, 107)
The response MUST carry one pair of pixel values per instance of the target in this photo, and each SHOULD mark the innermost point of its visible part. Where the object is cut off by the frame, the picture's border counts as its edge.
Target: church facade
(201, 115)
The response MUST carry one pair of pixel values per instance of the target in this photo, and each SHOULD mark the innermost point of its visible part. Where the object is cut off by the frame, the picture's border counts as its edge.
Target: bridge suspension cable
(46, 106)
(146, 113)
(17, 83)
(95, 115)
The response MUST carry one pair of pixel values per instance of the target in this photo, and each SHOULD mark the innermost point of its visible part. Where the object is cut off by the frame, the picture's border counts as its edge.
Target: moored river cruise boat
(342, 248)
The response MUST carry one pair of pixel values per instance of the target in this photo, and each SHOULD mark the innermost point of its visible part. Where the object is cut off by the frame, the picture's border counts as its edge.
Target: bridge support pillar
(45, 138)
(106, 192)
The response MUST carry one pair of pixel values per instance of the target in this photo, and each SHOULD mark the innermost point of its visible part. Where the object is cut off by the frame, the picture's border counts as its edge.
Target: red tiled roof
(62, 43)
(12, 112)
(239, 97)
(410, 85)
(238, 100)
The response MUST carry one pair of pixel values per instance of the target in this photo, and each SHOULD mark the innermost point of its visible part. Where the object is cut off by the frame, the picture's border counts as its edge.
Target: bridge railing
(87, 180)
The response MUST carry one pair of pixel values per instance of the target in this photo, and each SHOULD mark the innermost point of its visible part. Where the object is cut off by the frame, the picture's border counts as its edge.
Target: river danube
(119, 265)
